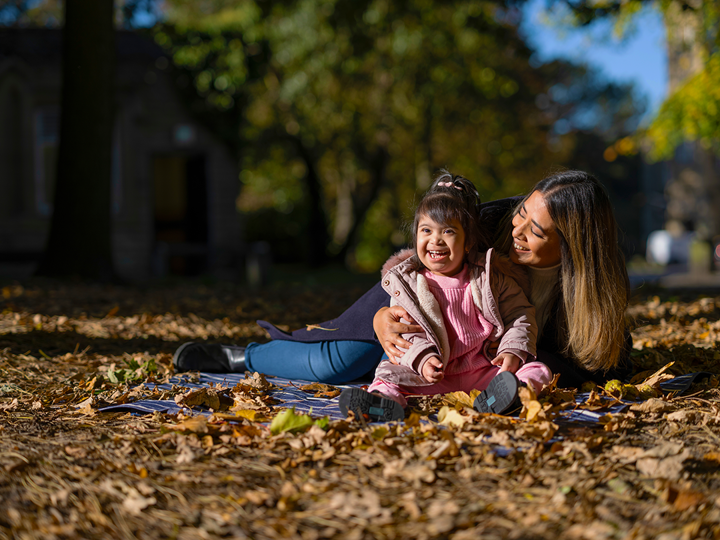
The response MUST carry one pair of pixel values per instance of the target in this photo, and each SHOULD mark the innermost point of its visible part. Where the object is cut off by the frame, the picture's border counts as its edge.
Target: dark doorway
(181, 214)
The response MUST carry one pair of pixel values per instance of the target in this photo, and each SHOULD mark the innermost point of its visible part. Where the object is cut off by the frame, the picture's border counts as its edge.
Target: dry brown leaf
(683, 497)
(659, 375)
(685, 417)
(320, 390)
(652, 405)
(135, 503)
(205, 397)
(258, 381)
(193, 424)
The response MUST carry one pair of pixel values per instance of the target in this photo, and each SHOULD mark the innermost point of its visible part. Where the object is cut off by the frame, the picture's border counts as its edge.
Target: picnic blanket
(289, 394)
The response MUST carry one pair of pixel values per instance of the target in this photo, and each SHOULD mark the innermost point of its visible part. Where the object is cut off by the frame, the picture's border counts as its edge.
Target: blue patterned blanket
(289, 394)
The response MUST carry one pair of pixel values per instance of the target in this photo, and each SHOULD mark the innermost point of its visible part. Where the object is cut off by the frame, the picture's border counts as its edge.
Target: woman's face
(535, 239)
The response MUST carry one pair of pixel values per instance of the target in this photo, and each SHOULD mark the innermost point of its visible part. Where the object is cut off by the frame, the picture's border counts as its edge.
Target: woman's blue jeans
(332, 362)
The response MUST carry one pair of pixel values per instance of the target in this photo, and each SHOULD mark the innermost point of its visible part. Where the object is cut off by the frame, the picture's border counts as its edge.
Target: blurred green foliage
(692, 113)
(341, 111)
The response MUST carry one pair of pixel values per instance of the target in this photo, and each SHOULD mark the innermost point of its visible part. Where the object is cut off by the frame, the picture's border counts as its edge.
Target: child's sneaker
(501, 395)
(373, 407)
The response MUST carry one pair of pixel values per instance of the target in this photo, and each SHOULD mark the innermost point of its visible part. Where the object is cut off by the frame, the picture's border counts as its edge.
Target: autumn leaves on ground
(255, 470)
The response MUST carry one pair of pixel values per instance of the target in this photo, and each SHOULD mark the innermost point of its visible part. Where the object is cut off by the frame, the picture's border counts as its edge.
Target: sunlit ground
(67, 470)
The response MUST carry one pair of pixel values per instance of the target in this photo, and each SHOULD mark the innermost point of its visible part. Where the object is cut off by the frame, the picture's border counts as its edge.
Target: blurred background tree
(344, 110)
(339, 112)
(79, 241)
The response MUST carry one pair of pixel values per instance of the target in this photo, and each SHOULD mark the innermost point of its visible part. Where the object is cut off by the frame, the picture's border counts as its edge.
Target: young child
(464, 297)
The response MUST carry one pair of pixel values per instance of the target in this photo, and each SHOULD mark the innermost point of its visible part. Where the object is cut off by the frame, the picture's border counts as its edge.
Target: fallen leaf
(683, 498)
(193, 424)
(652, 405)
(684, 416)
(320, 390)
(288, 420)
(250, 414)
(451, 417)
(318, 327)
(661, 461)
(135, 503)
(258, 381)
(461, 398)
(532, 408)
(659, 375)
(207, 397)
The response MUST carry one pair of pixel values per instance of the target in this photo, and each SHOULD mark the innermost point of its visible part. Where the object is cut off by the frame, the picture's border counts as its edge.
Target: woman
(564, 232)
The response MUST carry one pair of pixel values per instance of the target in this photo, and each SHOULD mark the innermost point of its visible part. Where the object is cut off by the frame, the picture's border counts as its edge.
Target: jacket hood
(401, 256)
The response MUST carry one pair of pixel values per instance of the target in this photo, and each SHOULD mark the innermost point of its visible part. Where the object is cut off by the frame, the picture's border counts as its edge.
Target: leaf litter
(257, 469)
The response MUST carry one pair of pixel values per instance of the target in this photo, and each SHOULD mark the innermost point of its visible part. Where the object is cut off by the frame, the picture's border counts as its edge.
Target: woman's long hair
(594, 281)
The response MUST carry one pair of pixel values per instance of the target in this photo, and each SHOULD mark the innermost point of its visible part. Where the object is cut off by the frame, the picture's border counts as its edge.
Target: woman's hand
(507, 362)
(432, 371)
(388, 330)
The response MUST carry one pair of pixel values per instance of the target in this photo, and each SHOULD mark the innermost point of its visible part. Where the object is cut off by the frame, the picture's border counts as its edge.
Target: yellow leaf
(413, 420)
(532, 409)
(464, 399)
(451, 417)
(249, 414)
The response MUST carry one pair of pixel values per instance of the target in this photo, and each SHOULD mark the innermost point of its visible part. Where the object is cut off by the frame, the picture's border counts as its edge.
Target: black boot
(210, 357)
(501, 395)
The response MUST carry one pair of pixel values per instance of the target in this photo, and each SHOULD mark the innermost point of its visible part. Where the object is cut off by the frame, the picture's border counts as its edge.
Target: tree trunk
(318, 237)
(79, 242)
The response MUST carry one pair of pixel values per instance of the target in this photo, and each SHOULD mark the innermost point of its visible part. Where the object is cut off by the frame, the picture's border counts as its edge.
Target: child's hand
(432, 371)
(507, 362)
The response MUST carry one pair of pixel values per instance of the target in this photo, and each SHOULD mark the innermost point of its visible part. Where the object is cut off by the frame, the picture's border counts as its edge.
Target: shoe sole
(372, 406)
(501, 395)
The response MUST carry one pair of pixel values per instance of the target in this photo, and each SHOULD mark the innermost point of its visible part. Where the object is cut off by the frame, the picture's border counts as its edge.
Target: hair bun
(445, 182)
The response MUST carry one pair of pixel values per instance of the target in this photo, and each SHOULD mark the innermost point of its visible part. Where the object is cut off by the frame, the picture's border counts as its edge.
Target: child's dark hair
(452, 197)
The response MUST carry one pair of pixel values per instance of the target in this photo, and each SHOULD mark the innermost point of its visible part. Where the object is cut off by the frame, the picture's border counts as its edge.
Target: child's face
(441, 248)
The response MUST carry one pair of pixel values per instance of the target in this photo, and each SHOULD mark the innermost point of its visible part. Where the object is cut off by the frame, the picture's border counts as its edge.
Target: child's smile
(441, 247)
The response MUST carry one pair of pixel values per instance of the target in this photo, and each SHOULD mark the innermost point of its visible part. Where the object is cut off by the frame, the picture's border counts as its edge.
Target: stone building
(174, 183)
